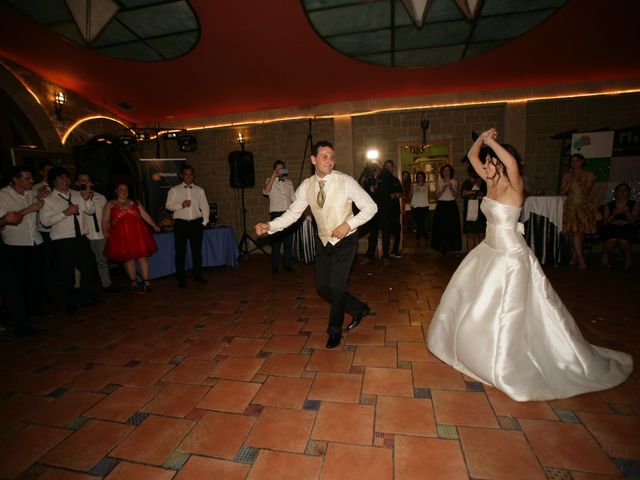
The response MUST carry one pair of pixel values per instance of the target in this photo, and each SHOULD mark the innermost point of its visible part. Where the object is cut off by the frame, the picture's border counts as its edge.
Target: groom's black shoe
(357, 318)
(334, 340)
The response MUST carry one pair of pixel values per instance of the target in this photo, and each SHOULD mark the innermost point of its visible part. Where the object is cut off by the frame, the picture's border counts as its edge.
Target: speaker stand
(243, 245)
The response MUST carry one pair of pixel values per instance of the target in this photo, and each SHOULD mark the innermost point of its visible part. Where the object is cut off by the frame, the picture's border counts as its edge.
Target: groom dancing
(330, 194)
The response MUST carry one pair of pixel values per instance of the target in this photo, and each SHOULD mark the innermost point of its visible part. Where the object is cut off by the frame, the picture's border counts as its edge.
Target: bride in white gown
(499, 320)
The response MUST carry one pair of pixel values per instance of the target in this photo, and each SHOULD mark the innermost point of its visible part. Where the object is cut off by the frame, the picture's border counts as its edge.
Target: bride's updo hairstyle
(496, 161)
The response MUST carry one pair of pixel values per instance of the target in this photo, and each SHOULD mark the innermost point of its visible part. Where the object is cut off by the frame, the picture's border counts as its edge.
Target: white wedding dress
(500, 321)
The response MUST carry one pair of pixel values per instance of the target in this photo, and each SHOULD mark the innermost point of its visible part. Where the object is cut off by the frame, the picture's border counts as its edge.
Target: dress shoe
(274, 270)
(334, 340)
(357, 318)
(289, 269)
(182, 284)
(28, 332)
(111, 289)
(200, 279)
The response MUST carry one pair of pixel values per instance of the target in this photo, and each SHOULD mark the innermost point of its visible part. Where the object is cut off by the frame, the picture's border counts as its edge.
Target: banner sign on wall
(597, 148)
(159, 175)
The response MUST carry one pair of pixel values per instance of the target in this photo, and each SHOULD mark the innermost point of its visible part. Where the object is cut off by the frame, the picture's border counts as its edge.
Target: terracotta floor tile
(282, 429)
(121, 404)
(84, 448)
(130, 471)
(198, 468)
(244, 347)
(191, 370)
(230, 396)
(566, 445)
(628, 392)
(344, 423)
(505, 407)
(344, 462)
(375, 356)
(589, 402)
(289, 466)
(618, 434)
(387, 381)
(330, 361)
(285, 364)
(361, 336)
(437, 375)
(97, 378)
(336, 387)
(318, 341)
(153, 440)
(65, 408)
(19, 451)
(58, 474)
(463, 408)
(594, 476)
(45, 383)
(285, 343)
(218, 435)
(412, 416)
(318, 325)
(249, 330)
(417, 458)
(121, 354)
(499, 454)
(398, 333)
(238, 368)
(284, 392)
(161, 352)
(391, 319)
(285, 327)
(19, 406)
(206, 349)
(145, 374)
(176, 400)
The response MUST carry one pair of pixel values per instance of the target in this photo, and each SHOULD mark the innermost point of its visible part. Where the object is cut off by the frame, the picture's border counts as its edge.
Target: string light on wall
(59, 100)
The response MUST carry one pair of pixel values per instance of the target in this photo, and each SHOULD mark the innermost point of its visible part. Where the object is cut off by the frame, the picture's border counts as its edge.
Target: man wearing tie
(64, 211)
(94, 231)
(190, 208)
(330, 194)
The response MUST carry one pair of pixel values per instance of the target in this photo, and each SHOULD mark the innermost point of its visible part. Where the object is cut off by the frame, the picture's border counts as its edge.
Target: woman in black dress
(619, 224)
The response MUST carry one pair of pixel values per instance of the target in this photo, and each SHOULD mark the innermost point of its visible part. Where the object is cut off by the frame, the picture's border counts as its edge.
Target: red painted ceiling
(255, 55)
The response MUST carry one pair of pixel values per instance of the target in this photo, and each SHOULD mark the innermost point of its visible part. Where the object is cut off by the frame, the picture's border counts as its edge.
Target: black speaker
(241, 172)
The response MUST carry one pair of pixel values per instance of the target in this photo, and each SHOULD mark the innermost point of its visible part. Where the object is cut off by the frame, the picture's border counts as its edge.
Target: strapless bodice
(503, 230)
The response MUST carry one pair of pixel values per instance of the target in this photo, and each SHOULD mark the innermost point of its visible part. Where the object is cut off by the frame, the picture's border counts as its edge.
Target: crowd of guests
(59, 235)
(616, 222)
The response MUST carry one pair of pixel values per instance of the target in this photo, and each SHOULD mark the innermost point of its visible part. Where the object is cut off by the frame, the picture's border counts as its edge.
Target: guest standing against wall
(190, 208)
(280, 191)
(446, 236)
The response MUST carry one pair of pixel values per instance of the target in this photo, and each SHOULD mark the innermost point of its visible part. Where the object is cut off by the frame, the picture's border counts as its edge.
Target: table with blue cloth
(218, 248)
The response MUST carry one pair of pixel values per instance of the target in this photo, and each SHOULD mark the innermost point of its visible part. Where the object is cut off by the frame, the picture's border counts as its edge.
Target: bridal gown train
(501, 322)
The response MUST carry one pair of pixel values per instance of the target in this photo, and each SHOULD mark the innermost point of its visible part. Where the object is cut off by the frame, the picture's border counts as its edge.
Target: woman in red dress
(128, 238)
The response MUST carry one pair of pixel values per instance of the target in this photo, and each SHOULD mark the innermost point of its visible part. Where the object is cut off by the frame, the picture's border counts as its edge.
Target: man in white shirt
(94, 230)
(280, 191)
(22, 242)
(12, 294)
(331, 194)
(64, 211)
(190, 208)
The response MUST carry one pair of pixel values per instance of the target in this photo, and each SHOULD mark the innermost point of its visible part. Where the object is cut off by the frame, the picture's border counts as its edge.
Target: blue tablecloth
(218, 248)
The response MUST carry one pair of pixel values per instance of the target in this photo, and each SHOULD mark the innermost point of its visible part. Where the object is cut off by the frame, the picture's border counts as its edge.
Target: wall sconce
(241, 139)
(59, 99)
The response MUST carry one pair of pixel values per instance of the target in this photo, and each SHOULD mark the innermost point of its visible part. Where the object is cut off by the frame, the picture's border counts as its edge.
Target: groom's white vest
(337, 207)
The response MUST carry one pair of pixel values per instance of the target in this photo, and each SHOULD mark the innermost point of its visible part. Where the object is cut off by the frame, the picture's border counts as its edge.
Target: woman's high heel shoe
(147, 286)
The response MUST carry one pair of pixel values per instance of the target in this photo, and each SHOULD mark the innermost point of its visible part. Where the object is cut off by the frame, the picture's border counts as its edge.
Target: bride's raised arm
(474, 157)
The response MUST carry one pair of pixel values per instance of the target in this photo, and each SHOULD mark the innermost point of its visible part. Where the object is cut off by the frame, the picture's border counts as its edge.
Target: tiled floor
(231, 380)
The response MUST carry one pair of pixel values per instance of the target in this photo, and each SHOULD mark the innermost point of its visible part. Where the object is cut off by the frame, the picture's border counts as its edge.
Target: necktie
(95, 223)
(76, 223)
(321, 195)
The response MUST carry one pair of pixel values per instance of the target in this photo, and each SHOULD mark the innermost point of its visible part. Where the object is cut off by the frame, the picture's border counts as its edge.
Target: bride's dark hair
(496, 161)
